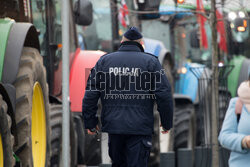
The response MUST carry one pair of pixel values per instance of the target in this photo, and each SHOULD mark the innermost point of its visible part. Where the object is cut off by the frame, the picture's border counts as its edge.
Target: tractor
(31, 84)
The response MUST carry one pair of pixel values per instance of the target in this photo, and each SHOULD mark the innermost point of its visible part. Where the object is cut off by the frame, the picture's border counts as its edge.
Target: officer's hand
(164, 131)
(93, 131)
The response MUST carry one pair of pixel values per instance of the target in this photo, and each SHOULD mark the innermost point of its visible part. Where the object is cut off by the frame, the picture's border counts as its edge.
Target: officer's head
(132, 35)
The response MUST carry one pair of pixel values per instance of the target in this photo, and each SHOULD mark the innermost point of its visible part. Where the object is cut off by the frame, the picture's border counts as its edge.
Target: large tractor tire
(56, 137)
(92, 150)
(168, 146)
(184, 126)
(154, 159)
(32, 111)
(6, 138)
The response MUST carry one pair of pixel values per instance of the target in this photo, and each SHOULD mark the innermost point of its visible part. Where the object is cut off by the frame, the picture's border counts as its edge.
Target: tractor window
(187, 47)
(162, 34)
(73, 44)
(98, 34)
(57, 28)
(54, 23)
(39, 20)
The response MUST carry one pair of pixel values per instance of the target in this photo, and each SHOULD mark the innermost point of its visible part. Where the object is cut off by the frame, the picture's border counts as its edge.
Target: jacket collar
(131, 46)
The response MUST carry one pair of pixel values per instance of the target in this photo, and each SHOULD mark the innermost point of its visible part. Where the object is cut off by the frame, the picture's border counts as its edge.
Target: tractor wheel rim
(1, 152)
(38, 127)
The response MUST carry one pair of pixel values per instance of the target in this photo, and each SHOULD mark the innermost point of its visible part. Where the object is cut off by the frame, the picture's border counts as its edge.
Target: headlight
(220, 64)
(241, 14)
(232, 15)
(182, 70)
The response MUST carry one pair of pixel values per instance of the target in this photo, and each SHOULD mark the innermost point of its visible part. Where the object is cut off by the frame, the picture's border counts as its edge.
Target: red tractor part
(83, 62)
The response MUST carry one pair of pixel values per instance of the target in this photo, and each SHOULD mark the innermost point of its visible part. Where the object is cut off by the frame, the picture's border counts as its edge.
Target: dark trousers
(129, 150)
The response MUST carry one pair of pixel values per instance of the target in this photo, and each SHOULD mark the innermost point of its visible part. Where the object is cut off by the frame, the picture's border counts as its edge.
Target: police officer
(128, 82)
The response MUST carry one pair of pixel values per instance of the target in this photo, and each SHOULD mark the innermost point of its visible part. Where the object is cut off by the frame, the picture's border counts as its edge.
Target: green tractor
(24, 96)
(238, 24)
(30, 80)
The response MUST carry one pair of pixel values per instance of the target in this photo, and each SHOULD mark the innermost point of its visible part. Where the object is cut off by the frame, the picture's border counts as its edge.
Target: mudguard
(83, 62)
(5, 27)
(21, 34)
(181, 99)
(158, 49)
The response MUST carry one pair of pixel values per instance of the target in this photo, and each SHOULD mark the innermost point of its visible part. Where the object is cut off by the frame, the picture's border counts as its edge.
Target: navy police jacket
(128, 82)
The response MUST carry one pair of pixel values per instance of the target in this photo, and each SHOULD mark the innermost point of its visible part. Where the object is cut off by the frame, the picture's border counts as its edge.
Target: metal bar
(115, 25)
(202, 156)
(214, 135)
(184, 157)
(65, 84)
(167, 159)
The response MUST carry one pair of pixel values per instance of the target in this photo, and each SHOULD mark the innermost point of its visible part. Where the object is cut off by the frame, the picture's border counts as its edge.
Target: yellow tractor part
(38, 127)
(1, 152)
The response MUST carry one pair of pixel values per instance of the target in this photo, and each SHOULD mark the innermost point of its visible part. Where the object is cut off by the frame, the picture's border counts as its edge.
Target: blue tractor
(185, 91)
(178, 32)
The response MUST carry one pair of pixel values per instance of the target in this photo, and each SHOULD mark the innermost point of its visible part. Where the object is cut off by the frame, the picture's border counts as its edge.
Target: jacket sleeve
(163, 94)
(90, 100)
(229, 137)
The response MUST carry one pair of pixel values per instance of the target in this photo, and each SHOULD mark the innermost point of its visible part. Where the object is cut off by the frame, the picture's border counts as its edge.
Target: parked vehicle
(31, 88)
